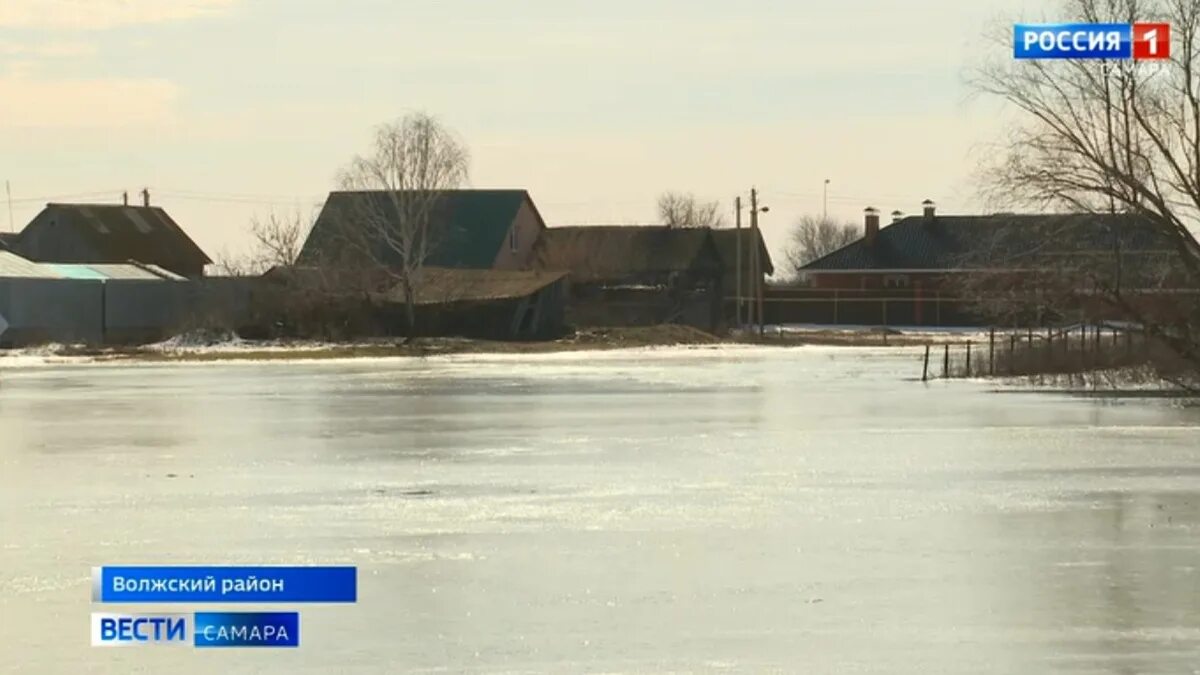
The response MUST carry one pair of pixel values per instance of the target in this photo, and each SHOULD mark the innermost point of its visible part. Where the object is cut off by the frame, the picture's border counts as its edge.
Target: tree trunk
(410, 311)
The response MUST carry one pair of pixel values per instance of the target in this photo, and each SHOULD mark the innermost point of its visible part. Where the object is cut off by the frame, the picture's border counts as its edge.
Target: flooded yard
(738, 509)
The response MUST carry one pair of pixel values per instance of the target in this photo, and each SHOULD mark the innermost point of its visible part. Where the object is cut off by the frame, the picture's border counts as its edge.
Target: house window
(512, 239)
(895, 281)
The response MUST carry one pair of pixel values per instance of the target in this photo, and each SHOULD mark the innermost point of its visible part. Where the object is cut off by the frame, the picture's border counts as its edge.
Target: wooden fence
(1069, 349)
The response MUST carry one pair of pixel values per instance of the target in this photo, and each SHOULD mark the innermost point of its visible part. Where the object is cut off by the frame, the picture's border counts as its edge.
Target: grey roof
(105, 271)
(992, 241)
(614, 253)
(118, 234)
(726, 240)
(13, 265)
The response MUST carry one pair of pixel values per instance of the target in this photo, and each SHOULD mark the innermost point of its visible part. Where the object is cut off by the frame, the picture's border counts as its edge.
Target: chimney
(145, 196)
(125, 198)
(872, 224)
(929, 209)
(897, 215)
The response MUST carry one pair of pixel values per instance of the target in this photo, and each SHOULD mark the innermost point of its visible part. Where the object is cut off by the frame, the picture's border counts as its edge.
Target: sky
(228, 109)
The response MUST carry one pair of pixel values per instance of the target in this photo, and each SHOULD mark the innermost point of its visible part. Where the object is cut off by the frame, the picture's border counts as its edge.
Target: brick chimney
(897, 215)
(125, 198)
(145, 196)
(929, 210)
(872, 224)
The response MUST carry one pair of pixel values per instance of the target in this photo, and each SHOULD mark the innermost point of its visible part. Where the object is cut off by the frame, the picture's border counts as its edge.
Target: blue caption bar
(1073, 41)
(224, 584)
(246, 629)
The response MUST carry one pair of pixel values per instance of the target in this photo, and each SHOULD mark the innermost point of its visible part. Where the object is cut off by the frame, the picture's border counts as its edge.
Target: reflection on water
(743, 510)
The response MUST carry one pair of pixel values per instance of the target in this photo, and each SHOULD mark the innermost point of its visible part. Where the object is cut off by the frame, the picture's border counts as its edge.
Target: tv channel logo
(130, 630)
(208, 629)
(1116, 41)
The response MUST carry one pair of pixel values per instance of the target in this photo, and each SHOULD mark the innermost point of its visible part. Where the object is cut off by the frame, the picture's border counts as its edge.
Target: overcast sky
(227, 108)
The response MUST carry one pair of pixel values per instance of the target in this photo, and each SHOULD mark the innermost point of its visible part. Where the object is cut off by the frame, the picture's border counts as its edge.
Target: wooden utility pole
(737, 206)
(757, 261)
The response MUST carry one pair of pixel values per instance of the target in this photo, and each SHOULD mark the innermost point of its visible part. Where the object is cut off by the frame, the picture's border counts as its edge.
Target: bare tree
(677, 209)
(1113, 137)
(815, 236)
(278, 237)
(413, 162)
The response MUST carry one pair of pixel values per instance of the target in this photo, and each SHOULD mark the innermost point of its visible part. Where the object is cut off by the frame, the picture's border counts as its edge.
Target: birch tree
(405, 175)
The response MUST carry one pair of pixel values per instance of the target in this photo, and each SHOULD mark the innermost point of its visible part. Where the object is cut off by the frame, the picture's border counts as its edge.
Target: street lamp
(825, 201)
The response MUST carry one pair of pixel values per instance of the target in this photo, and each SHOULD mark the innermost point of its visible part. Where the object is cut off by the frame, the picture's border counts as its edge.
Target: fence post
(925, 367)
(1012, 348)
(992, 351)
(946, 361)
(968, 358)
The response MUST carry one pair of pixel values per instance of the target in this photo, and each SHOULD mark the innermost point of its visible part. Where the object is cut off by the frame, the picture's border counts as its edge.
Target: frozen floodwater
(746, 510)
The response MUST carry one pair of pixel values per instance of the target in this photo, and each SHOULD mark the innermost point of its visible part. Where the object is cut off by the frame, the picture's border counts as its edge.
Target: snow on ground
(965, 332)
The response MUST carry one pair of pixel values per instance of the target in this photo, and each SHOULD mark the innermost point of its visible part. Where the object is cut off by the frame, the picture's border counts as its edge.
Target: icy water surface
(805, 510)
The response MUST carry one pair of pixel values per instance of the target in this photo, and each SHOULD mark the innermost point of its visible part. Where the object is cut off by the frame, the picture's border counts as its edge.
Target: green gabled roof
(469, 226)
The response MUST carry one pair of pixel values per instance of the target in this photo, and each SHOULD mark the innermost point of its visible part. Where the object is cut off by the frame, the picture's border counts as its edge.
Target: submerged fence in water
(1071, 349)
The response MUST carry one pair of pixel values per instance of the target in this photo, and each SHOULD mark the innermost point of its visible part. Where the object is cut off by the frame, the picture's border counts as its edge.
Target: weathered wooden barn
(636, 275)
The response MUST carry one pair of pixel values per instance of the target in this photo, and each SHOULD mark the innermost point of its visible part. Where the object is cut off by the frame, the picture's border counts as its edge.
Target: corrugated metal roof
(104, 271)
(75, 272)
(13, 265)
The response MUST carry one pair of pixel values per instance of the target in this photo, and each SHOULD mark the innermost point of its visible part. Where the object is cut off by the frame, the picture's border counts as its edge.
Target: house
(935, 269)
(112, 234)
(469, 229)
(636, 275)
(728, 248)
(930, 250)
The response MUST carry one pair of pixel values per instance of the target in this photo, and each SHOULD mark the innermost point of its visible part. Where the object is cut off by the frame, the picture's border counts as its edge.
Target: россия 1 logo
(1118, 41)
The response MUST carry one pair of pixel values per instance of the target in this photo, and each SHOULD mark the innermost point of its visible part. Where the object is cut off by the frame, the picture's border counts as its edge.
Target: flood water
(739, 510)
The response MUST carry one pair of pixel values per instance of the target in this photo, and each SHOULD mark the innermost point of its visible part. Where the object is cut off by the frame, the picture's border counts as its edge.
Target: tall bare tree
(1112, 136)
(814, 236)
(678, 209)
(413, 161)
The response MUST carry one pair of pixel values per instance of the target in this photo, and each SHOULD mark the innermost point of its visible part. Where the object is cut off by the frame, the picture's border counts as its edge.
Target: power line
(73, 195)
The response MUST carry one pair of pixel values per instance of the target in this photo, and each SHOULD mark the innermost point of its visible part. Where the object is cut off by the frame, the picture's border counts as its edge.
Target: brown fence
(1072, 349)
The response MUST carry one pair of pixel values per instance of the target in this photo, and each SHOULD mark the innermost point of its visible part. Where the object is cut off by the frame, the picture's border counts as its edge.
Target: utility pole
(737, 206)
(756, 265)
(825, 201)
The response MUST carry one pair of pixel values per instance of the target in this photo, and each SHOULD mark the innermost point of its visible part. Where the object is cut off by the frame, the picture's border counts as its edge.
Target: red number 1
(1151, 41)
